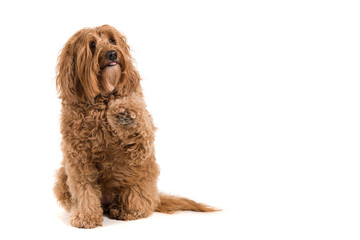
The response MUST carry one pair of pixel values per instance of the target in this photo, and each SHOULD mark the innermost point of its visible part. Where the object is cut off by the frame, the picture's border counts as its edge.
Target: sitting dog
(107, 135)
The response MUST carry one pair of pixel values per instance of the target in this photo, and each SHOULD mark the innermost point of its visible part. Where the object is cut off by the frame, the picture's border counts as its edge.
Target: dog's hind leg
(136, 201)
(61, 190)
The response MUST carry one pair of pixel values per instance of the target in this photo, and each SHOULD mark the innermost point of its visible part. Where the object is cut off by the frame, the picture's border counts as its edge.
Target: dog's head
(95, 61)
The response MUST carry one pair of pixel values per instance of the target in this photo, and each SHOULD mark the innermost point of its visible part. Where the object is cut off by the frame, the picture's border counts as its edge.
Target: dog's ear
(130, 78)
(65, 78)
(76, 78)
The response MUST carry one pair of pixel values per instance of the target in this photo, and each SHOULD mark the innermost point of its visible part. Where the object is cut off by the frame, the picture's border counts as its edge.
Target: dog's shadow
(64, 217)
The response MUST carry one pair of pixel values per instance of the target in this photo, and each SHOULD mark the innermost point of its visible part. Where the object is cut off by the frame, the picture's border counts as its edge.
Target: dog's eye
(112, 41)
(92, 45)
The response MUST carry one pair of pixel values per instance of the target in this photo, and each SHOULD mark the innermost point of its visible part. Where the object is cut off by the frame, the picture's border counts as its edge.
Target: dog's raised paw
(125, 117)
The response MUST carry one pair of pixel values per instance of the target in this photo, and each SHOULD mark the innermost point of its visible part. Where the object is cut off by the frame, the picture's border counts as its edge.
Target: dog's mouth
(110, 64)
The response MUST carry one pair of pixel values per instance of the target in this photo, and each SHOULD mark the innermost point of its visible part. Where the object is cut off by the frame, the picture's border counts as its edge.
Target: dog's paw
(133, 215)
(125, 117)
(83, 220)
(127, 215)
(128, 117)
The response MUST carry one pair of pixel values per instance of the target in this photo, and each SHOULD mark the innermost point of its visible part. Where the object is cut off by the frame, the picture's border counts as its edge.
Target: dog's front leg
(131, 121)
(86, 211)
(138, 196)
(134, 126)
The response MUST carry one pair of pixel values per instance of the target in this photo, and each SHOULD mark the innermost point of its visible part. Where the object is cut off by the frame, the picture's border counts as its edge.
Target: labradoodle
(107, 135)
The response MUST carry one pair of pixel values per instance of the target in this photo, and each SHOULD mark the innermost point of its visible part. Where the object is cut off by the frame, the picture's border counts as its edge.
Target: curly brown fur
(108, 135)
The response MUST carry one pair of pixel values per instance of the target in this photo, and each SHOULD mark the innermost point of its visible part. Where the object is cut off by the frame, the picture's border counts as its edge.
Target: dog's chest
(98, 127)
(87, 130)
(88, 124)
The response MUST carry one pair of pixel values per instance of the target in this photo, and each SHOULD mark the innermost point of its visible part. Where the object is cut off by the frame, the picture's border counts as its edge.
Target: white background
(257, 105)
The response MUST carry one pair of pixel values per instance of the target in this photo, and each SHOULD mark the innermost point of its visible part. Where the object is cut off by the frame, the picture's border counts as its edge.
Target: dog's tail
(170, 204)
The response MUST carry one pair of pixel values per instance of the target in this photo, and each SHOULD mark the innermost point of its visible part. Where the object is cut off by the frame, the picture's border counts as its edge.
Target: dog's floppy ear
(66, 83)
(130, 78)
(76, 79)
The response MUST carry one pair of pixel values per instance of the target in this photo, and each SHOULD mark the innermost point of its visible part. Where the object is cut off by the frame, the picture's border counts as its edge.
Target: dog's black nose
(111, 55)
